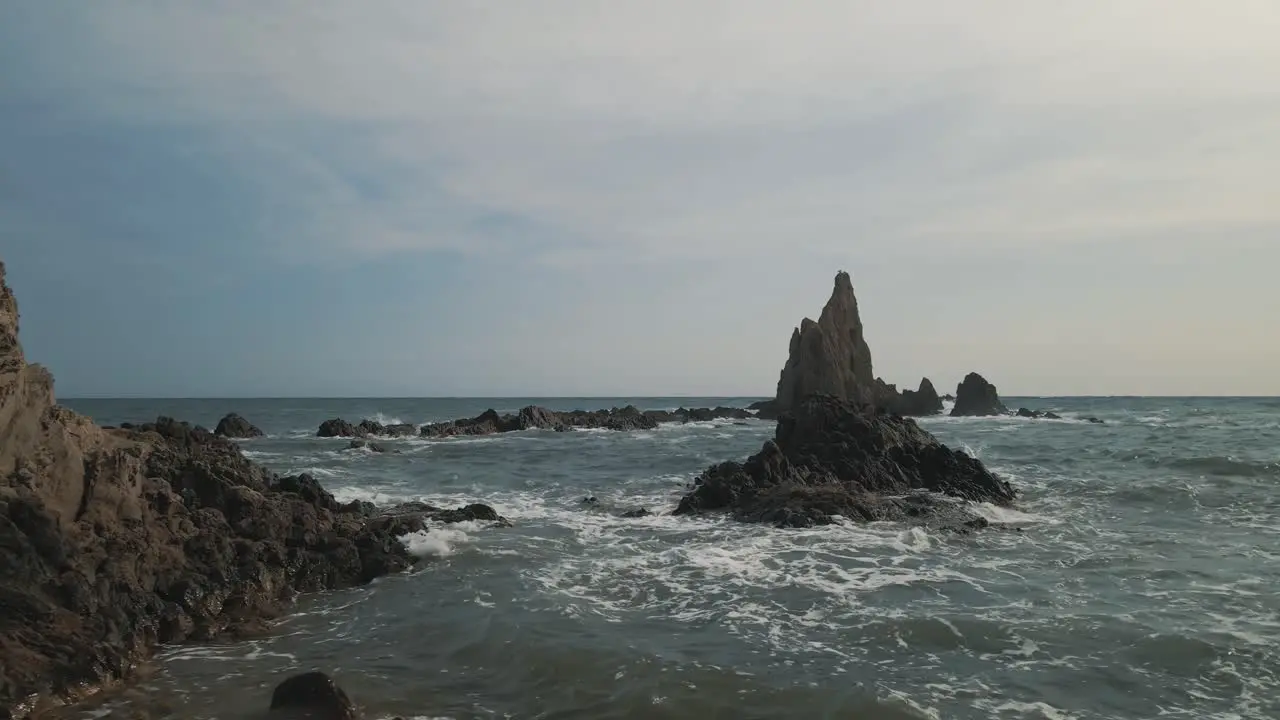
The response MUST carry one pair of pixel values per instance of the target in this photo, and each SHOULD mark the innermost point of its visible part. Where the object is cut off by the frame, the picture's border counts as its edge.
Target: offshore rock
(921, 403)
(628, 418)
(115, 541)
(832, 459)
(234, 426)
(977, 397)
(830, 356)
(337, 427)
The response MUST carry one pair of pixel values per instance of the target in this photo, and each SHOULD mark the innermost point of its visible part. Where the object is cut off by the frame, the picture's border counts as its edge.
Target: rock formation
(311, 696)
(113, 541)
(830, 356)
(490, 422)
(976, 397)
(922, 402)
(234, 426)
(832, 458)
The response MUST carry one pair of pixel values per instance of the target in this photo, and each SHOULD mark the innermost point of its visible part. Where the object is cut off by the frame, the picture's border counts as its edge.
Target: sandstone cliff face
(830, 356)
(112, 541)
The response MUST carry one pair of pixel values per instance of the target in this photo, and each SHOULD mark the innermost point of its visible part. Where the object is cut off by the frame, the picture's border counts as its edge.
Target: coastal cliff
(113, 541)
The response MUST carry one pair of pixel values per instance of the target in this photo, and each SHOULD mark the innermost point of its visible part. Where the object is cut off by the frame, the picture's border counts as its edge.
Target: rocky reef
(832, 458)
(533, 417)
(114, 541)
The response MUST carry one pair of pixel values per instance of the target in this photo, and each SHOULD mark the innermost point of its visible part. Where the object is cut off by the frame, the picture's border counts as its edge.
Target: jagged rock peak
(829, 356)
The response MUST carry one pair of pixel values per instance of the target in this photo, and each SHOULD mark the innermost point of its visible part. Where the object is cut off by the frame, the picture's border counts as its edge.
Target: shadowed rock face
(830, 457)
(830, 356)
(112, 541)
(977, 397)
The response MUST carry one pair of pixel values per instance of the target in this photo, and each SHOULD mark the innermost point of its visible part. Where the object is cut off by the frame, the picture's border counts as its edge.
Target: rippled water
(1136, 578)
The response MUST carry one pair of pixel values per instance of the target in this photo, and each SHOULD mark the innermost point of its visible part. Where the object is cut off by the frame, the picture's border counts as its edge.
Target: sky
(428, 198)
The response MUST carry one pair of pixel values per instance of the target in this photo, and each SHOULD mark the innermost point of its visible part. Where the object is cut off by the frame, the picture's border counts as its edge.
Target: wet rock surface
(830, 458)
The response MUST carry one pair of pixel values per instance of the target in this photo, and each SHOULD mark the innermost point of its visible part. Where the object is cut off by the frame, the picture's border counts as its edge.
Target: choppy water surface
(1142, 583)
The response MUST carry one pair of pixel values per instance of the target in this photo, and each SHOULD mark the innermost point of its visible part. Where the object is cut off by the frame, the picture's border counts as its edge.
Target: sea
(1138, 576)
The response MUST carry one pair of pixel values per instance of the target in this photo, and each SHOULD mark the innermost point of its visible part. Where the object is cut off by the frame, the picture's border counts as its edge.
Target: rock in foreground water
(311, 696)
(829, 458)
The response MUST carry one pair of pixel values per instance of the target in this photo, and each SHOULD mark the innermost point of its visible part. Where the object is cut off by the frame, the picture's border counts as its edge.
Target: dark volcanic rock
(922, 402)
(366, 445)
(311, 696)
(234, 426)
(830, 458)
(112, 542)
(976, 396)
(637, 513)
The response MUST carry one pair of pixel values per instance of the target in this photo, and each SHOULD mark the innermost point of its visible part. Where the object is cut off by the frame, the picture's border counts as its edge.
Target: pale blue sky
(585, 198)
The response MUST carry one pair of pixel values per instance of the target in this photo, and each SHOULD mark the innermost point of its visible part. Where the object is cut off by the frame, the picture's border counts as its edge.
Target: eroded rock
(830, 458)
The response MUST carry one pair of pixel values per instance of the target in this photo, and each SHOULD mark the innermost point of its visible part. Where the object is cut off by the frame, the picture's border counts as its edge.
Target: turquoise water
(1135, 578)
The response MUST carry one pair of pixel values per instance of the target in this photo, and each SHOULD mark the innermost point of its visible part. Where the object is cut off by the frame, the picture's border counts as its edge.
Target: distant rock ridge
(534, 417)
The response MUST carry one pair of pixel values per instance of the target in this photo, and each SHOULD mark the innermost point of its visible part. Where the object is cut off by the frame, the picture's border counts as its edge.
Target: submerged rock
(234, 426)
(977, 397)
(311, 696)
(829, 458)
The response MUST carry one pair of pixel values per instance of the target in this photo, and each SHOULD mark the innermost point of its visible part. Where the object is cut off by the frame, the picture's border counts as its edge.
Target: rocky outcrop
(311, 696)
(234, 426)
(977, 397)
(113, 541)
(831, 458)
(1038, 414)
(491, 422)
(920, 403)
(337, 427)
(830, 356)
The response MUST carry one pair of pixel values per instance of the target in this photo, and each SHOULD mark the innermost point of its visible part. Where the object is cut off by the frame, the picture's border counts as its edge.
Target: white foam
(997, 515)
(435, 542)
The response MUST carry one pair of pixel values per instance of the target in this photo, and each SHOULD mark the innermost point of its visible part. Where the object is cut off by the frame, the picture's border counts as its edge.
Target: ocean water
(1137, 577)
